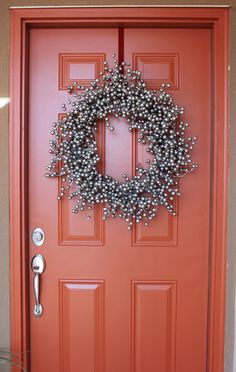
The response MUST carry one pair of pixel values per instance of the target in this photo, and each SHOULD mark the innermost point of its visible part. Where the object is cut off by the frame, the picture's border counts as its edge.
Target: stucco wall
(230, 350)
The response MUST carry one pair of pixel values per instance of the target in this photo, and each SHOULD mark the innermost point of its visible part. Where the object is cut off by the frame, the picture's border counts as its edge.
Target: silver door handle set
(38, 266)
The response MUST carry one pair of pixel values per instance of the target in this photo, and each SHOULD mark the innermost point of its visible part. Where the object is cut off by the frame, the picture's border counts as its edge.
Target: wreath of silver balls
(121, 92)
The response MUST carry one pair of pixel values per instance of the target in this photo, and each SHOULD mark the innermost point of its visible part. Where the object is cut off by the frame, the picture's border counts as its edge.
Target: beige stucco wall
(230, 350)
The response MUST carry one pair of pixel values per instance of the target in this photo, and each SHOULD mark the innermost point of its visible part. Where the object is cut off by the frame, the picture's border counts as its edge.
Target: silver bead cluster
(121, 92)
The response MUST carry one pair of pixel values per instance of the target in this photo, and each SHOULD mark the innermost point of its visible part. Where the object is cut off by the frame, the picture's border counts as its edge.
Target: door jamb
(21, 22)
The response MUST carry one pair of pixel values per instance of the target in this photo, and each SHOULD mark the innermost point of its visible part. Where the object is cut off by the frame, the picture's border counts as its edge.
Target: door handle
(38, 267)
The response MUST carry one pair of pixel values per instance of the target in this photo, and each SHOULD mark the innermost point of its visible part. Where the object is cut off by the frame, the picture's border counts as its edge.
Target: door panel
(153, 325)
(81, 325)
(116, 300)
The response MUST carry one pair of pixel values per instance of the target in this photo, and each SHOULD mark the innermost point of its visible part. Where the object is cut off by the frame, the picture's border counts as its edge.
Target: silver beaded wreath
(121, 92)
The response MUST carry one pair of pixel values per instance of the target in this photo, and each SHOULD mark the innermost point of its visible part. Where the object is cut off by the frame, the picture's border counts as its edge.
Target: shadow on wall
(8, 360)
(230, 358)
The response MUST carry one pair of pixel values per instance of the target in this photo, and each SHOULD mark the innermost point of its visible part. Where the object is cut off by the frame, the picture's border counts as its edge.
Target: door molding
(122, 6)
(21, 22)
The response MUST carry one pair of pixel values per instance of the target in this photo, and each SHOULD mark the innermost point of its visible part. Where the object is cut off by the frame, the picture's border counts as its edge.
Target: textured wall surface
(230, 350)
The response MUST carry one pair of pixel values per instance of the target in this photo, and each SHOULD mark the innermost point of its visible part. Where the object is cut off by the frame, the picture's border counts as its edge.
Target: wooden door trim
(21, 22)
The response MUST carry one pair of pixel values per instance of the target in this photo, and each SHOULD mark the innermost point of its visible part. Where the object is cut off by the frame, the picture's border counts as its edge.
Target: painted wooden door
(115, 300)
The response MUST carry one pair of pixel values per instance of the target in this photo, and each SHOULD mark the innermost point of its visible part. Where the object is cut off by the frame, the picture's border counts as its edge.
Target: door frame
(22, 20)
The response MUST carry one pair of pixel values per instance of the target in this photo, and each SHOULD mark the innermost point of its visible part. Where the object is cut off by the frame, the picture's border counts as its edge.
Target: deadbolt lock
(38, 236)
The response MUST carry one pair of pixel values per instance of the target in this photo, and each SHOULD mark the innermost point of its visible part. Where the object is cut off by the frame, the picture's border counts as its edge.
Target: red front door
(116, 300)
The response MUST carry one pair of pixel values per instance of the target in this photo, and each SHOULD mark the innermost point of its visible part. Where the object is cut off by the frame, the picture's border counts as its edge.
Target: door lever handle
(38, 267)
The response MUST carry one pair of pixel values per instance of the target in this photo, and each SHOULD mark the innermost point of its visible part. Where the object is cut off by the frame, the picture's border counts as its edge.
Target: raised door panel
(153, 326)
(158, 68)
(80, 68)
(81, 325)
(163, 229)
(86, 227)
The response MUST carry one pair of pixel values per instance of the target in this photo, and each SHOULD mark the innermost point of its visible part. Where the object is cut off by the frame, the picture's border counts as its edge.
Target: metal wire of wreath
(121, 92)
